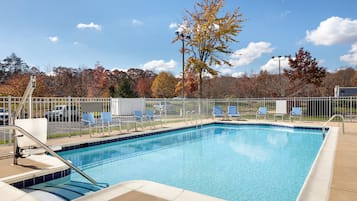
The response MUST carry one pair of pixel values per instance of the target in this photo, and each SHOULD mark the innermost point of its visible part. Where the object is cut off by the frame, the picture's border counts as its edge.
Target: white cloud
(136, 22)
(51, 73)
(226, 71)
(272, 66)
(321, 61)
(334, 30)
(238, 74)
(120, 69)
(351, 57)
(53, 39)
(160, 65)
(173, 25)
(285, 13)
(230, 72)
(247, 55)
(75, 43)
(89, 26)
(184, 27)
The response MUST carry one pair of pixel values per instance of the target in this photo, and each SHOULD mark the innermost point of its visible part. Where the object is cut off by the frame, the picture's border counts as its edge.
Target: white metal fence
(69, 121)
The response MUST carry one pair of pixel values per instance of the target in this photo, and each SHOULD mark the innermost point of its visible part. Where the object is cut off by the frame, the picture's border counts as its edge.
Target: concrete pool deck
(344, 181)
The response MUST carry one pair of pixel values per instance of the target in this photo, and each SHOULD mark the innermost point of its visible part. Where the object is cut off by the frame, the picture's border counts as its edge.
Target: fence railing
(65, 113)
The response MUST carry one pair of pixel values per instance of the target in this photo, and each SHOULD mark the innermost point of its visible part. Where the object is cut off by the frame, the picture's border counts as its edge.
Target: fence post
(69, 117)
(330, 106)
(10, 116)
(351, 108)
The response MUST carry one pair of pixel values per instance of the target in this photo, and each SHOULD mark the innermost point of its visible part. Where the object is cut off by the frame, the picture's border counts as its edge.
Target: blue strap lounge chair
(150, 116)
(107, 120)
(296, 112)
(217, 112)
(138, 116)
(232, 111)
(262, 111)
(89, 120)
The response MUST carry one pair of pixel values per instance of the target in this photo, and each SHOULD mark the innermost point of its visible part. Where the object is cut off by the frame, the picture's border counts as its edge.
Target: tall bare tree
(211, 33)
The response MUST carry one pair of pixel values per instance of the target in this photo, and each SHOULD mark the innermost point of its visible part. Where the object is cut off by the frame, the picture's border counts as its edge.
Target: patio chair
(89, 120)
(107, 119)
(296, 112)
(151, 117)
(262, 111)
(217, 112)
(138, 117)
(280, 109)
(232, 111)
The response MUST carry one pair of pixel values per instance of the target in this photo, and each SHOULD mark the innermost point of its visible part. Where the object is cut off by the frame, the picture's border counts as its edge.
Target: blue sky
(123, 34)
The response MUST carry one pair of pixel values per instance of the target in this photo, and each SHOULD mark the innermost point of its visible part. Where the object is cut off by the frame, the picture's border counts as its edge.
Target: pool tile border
(41, 179)
(118, 139)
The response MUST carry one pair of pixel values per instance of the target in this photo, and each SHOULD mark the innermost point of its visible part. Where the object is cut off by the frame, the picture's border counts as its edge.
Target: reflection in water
(278, 140)
(250, 149)
(257, 148)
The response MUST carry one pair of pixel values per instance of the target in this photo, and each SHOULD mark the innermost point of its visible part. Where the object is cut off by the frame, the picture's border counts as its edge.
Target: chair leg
(90, 131)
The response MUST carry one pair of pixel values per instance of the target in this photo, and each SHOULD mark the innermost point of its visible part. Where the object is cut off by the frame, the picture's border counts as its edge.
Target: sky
(123, 34)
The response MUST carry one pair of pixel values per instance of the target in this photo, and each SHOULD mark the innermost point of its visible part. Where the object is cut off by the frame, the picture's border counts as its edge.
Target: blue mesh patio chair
(139, 118)
(262, 111)
(232, 111)
(89, 120)
(217, 112)
(107, 120)
(151, 117)
(296, 112)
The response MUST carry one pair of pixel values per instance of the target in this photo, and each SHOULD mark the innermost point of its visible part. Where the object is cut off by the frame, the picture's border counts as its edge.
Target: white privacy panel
(127, 106)
(36, 127)
(280, 107)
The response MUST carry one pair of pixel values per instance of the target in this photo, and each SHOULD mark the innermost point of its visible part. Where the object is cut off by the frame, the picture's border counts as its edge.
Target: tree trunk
(200, 84)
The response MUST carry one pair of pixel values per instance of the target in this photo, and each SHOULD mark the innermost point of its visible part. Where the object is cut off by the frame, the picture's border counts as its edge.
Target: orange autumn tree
(143, 87)
(191, 84)
(164, 86)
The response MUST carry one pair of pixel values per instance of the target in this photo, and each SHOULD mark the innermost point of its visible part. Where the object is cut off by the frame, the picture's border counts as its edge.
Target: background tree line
(101, 82)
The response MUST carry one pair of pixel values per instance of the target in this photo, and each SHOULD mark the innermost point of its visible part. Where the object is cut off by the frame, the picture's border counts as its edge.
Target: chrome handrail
(27, 94)
(49, 150)
(334, 116)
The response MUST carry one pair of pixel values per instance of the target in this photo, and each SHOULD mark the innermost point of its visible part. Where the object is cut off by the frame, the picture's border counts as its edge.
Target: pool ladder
(53, 153)
(334, 116)
(193, 118)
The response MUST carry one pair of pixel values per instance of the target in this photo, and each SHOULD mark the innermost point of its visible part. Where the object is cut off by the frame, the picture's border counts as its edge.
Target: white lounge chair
(280, 108)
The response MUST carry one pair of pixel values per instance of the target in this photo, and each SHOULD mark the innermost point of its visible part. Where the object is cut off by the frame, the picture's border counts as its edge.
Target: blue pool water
(232, 162)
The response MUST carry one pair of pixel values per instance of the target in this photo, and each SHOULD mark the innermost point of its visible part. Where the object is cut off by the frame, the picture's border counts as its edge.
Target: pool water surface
(232, 162)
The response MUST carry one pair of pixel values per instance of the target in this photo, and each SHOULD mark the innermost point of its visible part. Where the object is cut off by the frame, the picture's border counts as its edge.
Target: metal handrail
(334, 116)
(27, 94)
(49, 150)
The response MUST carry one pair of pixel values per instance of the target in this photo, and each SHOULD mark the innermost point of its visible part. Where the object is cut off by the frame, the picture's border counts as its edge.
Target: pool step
(61, 191)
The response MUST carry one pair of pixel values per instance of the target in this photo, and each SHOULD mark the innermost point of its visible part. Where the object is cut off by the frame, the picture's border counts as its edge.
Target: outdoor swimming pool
(228, 161)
